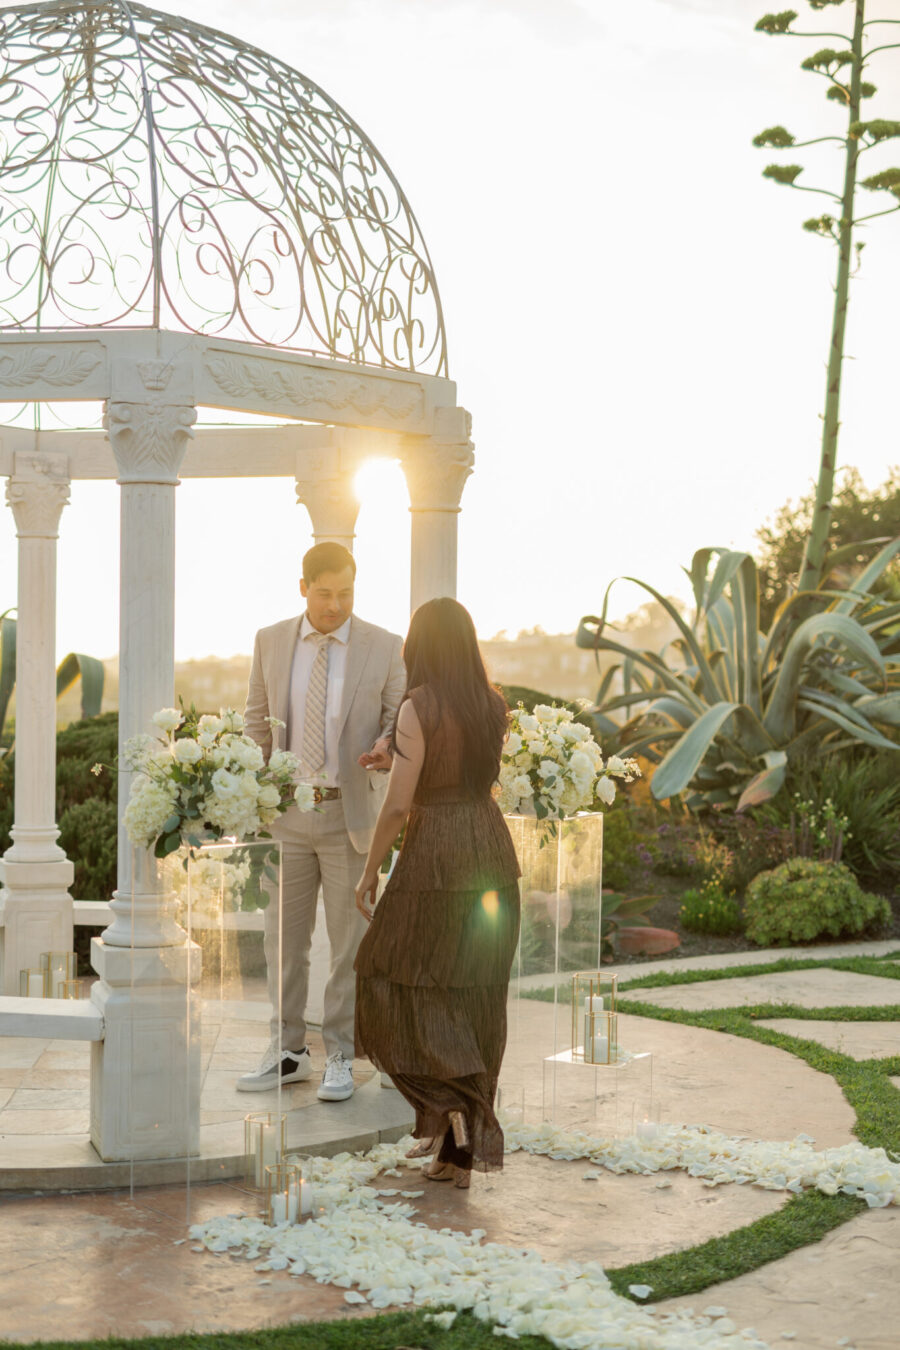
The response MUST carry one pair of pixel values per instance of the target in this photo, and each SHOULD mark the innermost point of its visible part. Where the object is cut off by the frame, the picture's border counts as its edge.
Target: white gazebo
(187, 224)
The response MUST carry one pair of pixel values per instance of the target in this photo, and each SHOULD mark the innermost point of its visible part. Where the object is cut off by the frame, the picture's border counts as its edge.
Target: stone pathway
(104, 1257)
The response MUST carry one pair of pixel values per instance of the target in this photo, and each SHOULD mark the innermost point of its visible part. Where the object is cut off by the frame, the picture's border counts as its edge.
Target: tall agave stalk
(842, 68)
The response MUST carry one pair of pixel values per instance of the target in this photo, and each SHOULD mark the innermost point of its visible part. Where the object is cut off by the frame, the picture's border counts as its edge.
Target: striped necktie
(313, 750)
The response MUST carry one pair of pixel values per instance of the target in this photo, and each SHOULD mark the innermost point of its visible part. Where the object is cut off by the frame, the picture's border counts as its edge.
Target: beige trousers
(316, 849)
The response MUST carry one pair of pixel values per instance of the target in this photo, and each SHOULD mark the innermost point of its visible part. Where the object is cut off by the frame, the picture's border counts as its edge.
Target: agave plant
(724, 708)
(72, 667)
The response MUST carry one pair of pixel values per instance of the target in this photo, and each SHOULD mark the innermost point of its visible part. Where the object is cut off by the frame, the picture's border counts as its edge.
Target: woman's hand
(367, 894)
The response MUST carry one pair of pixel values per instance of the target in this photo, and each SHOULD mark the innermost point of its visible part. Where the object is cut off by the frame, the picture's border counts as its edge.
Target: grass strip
(805, 1218)
(387, 1331)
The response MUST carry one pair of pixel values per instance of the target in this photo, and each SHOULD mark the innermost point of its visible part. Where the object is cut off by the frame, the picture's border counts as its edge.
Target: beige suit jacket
(374, 681)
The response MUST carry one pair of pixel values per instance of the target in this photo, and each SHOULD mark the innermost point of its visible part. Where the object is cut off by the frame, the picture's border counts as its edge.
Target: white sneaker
(337, 1080)
(295, 1067)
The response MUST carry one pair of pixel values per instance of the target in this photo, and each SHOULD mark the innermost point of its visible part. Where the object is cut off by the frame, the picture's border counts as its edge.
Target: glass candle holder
(32, 983)
(645, 1119)
(71, 989)
(58, 967)
(289, 1197)
(263, 1145)
(594, 1018)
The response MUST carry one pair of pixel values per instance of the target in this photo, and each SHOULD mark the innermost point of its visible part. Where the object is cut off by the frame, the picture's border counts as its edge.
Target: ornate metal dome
(157, 174)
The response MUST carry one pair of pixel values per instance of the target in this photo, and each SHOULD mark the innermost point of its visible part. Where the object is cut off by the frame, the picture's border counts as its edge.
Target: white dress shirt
(304, 656)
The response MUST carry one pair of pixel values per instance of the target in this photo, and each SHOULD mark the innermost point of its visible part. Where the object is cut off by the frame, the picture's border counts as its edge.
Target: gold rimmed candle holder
(32, 983)
(58, 968)
(264, 1143)
(594, 1017)
(71, 989)
(288, 1196)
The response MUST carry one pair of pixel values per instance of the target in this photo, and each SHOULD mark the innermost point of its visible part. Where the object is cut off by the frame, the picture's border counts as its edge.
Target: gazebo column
(436, 469)
(332, 506)
(35, 904)
(145, 1077)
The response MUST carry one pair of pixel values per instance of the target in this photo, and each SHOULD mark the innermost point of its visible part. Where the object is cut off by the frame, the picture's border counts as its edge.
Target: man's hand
(379, 757)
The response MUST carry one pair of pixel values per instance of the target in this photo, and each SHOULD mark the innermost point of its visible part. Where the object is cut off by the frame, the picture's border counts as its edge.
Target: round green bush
(803, 899)
(709, 910)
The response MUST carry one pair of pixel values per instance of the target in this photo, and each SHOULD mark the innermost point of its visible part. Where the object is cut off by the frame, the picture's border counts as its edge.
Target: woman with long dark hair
(433, 968)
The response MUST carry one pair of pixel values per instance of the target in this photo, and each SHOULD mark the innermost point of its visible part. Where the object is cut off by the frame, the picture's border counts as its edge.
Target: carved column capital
(332, 506)
(149, 438)
(37, 491)
(436, 474)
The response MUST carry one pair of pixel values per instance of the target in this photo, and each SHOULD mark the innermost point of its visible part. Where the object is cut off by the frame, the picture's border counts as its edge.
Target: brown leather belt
(327, 794)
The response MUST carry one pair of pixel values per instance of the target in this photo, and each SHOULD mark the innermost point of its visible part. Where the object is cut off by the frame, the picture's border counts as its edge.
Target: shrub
(708, 909)
(862, 789)
(802, 899)
(626, 856)
(674, 848)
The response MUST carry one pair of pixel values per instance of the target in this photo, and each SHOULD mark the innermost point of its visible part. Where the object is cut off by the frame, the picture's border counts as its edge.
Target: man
(336, 684)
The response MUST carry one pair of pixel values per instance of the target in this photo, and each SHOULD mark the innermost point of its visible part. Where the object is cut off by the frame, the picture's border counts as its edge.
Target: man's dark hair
(326, 558)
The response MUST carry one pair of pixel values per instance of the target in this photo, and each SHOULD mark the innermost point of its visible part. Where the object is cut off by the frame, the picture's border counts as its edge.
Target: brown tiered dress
(433, 968)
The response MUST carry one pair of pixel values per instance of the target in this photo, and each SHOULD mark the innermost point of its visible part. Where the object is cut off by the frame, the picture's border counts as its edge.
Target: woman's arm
(397, 802)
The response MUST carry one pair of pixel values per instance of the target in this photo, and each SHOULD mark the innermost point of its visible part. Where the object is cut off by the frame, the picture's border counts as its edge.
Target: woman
(433, 968)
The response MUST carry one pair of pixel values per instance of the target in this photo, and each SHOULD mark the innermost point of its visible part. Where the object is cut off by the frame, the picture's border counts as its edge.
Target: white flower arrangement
(211, 779)
(552, 767)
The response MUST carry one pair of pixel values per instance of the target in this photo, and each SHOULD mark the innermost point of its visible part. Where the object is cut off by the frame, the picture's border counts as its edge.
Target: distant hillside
(535, 659)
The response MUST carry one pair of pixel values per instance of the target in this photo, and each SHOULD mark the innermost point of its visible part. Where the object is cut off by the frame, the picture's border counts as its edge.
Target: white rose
(521, 786)
(210, 724)
(555, 740)
(529, 723)
(206, 740)
(269, 795)
(513, 744)
(225, 784)
(187, 751)
(281, 759)
(232, 721)
(304, 796)
(548, 768)
(524, 758)
(544, 713)
(605, 790)
(615, 765)
(580, 765)
(167, 719)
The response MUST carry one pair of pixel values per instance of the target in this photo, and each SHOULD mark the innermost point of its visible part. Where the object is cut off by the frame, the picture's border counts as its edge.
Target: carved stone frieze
(63, 366)
(37, 503)
(332, 506)
(149, 439)
(266, 383)
(436, 475)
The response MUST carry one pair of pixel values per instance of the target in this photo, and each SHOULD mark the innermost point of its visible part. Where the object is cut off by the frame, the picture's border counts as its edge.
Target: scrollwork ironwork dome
(157, 174)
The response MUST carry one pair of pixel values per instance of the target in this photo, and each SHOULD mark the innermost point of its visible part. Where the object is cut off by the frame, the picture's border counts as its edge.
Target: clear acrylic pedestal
(610, 1100)
(217, 1024)
(560, 933)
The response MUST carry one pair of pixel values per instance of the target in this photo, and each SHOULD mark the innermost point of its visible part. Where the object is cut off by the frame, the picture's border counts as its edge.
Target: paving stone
(46, 1122)
(841, 1291)
(803, 988)
(859, 1040)
(49, 1099)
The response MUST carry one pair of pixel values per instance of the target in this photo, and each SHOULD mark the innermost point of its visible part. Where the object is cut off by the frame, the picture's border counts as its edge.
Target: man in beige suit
(335, 683)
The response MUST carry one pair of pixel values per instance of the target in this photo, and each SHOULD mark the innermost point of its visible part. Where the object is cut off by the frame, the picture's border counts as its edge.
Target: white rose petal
(304, 796)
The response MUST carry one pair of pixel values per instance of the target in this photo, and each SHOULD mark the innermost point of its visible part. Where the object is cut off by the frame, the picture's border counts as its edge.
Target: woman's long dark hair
(441, 652)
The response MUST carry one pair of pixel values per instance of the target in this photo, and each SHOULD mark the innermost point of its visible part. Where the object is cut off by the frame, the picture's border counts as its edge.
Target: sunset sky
(635, 318)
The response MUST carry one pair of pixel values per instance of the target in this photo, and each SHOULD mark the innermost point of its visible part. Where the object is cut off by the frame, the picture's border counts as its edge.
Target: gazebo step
(50, 1018)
